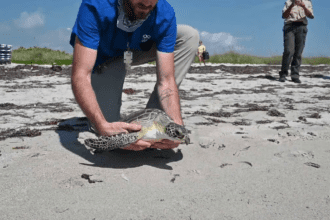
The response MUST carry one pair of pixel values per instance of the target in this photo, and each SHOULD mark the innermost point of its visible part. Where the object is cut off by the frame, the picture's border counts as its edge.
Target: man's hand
(287, 13)
(109, 129)
(163, 144)
(300, 3)
(139, 145)
(307, 11)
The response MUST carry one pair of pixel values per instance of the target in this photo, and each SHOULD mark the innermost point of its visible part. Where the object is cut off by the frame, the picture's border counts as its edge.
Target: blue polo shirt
(96, 28)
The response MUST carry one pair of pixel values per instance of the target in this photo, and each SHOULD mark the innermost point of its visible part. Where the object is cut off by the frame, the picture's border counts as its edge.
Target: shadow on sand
(69, 130)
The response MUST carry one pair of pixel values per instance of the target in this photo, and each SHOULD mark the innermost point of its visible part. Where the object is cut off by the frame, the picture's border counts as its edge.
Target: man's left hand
(144, 144)
(165, 144)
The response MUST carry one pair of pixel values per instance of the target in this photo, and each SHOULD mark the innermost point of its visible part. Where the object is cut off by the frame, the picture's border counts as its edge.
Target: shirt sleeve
(286, 6)
(309, 7)
(86, 27)
(167, 40)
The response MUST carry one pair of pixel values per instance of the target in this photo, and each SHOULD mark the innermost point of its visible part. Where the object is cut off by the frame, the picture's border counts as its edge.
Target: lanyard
(128, 55)
(129, 39)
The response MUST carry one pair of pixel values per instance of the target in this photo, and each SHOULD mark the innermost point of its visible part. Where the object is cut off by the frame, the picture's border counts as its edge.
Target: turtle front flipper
(106, 143)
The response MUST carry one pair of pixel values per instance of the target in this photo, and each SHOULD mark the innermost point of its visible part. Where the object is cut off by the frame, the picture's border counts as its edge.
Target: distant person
(109, 36)
(200, 51)
(295, 13)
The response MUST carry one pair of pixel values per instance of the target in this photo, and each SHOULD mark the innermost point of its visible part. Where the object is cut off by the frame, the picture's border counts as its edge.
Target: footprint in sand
(311, 133)
(205, 142)
(246, 162)
(225, 164)
(312, 165)
(70, 183)
(174, 177)
(229, 164)
(273, 140)
(86, 176)
(194, 172)
(237, 153)
(295, 154)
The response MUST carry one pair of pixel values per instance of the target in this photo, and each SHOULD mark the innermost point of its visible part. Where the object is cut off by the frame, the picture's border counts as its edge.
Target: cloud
(4, 28)
(31, 20)
(56, 40)
(221, 42)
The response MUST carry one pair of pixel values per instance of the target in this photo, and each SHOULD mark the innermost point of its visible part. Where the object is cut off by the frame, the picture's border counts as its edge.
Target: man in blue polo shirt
(109, 36)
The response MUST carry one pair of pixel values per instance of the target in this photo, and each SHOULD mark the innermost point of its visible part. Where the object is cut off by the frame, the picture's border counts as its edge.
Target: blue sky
(247, 26)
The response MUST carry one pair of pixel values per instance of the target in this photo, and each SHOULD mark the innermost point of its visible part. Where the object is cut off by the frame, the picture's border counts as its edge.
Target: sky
(246, 26)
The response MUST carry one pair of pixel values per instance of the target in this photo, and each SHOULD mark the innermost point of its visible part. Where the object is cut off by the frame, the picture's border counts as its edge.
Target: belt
(298, 23)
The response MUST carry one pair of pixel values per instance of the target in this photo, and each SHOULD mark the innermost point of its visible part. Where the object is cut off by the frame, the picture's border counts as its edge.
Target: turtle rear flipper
(97, 144)
(106, 143)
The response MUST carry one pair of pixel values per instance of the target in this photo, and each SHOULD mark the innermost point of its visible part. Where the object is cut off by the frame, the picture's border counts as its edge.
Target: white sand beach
(260, 149)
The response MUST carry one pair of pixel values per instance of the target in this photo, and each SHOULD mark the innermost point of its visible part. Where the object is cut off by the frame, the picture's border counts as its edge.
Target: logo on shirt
(145, 38)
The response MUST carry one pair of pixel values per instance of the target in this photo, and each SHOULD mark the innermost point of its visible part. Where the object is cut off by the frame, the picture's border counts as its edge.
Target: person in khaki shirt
(200, 51)
(295, 13)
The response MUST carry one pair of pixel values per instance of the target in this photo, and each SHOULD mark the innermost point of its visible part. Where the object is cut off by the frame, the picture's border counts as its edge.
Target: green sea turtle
(156, 125)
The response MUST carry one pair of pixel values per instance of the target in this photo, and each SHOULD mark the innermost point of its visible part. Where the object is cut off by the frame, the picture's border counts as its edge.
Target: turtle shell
(147, 117)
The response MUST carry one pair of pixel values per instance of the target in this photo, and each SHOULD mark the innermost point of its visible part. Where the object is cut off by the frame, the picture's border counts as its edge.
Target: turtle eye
(175, 131)
(179, 133)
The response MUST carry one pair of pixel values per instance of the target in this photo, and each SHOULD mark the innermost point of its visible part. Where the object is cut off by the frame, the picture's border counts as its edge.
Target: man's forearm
(170, 100)
(85, 96)
(286, 14)
(166, 87)
(308, 13)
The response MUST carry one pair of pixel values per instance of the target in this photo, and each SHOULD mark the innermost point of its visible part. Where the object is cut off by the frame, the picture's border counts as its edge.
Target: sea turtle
(156, 125)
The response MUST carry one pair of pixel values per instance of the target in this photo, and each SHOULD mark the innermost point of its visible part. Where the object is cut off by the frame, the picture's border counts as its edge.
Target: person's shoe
(282, 79)
(296, 80)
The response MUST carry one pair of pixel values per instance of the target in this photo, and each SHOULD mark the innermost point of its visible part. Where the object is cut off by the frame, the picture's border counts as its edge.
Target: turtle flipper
(106, 143)
(98, 144)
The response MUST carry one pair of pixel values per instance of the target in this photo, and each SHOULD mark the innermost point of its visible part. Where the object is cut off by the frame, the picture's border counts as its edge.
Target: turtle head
(177, 132)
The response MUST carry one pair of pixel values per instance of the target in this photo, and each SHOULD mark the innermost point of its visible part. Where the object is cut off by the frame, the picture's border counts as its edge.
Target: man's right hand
(288, 12)
(109, 129)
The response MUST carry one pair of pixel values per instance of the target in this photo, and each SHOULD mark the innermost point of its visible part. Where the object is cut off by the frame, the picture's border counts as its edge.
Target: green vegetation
(236, 58)
(38, 55)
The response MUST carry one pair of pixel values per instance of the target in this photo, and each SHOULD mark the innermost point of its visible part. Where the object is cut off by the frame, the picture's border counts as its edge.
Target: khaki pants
(108, 82)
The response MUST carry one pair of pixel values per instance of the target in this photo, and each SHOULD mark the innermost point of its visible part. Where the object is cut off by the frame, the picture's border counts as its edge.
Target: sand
(260, 149)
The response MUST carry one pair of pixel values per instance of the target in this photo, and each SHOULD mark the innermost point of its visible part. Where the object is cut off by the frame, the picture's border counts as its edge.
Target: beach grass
(236, 58)
(38, 55)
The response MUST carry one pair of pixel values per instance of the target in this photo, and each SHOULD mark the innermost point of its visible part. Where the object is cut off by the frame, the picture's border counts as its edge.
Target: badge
(128, 58)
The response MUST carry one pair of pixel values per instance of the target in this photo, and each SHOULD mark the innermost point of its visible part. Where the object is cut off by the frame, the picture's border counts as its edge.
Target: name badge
(128, 58)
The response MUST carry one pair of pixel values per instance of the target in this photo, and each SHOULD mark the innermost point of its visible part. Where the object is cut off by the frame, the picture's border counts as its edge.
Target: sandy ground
(260, 149)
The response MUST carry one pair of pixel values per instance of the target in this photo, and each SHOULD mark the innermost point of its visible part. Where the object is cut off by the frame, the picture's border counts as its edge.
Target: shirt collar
(124, 23)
